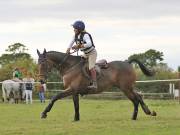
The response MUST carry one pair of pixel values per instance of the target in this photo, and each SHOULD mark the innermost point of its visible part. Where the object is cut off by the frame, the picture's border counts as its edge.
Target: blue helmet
(79, 25)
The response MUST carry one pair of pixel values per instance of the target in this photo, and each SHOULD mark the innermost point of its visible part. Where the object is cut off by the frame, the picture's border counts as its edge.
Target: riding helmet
(79, 25)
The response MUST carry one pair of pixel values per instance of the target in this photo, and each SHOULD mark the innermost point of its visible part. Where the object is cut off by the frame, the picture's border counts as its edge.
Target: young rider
(84, 42)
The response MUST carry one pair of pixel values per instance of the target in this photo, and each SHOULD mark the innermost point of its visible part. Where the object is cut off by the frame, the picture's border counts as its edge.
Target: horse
(119, 74)
(12, 89)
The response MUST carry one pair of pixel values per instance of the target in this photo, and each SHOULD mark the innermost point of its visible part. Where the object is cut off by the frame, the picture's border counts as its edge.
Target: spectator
(28, 86)
(42, 89)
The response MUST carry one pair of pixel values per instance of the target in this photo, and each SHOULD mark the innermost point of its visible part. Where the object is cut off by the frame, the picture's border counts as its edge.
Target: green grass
(98, 117)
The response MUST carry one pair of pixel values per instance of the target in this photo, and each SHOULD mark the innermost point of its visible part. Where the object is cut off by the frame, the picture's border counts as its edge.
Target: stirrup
(93, 85)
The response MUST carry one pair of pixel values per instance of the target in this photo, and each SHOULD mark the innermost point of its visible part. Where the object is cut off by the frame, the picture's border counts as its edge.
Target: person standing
(29, 86)
(42, 89)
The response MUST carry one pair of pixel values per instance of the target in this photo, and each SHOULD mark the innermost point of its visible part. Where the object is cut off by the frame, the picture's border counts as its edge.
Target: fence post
(179, 82)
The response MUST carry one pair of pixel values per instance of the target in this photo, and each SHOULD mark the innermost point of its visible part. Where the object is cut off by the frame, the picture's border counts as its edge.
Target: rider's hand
(68, 50)
(75, 47)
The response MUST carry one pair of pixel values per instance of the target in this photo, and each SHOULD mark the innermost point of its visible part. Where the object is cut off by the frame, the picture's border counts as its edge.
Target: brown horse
(119, 74)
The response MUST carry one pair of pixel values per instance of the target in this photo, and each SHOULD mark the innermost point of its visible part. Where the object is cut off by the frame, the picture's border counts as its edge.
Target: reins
(74, 66)
(66, 57)
(75, 51)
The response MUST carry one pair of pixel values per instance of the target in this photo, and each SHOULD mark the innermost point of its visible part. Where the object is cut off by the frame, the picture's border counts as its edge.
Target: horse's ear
(44, 51)
(38, 52)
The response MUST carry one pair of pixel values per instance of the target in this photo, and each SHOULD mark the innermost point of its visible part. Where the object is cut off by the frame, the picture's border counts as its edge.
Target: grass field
(98, 117)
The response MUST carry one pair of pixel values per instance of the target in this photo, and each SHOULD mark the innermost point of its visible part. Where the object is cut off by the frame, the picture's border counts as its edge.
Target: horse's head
(44, 65)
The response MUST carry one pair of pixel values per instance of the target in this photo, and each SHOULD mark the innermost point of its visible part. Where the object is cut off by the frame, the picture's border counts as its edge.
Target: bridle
(45, 64)
(59, 66)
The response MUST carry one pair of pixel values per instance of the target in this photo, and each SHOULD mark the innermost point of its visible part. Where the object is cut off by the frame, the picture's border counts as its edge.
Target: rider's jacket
(86, 39)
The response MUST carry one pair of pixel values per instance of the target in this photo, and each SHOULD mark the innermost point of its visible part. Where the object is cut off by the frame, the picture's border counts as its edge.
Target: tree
(14, 52)
(149, 58)
(16, 56)
(153, 59)
(16, 48)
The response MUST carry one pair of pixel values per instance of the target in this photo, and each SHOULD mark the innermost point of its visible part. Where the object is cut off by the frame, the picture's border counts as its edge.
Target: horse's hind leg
(128, 91)
(61, 95)
(136, 99)
(8, 96)
(76, 107)
(144, 106)
(16, 96)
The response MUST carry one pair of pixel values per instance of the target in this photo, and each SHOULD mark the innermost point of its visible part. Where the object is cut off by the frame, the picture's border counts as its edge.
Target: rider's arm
(70, 45)
(72, 42)
(44, 85)
(14, 74)
(33, 83)
(88, 41)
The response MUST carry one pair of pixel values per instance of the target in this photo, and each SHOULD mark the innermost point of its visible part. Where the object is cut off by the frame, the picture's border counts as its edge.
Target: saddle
(100, 64)
(16, 80)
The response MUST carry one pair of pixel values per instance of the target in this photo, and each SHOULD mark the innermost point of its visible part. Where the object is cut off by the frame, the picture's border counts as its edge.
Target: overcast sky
(119, 28)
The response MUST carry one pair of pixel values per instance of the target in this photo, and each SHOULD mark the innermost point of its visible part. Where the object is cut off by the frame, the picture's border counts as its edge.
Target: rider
(85, 43)
(17, 75)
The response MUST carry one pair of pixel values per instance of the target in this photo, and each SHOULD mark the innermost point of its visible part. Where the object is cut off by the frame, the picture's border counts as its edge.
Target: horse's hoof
(43, 115)
(153, 113)
(75, 120)
(133, 118)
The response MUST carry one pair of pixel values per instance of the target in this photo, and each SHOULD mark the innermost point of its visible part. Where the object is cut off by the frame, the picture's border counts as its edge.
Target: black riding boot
(93, 85)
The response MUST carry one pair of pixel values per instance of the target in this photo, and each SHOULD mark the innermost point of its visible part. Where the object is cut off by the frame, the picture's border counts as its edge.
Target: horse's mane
(58, 56)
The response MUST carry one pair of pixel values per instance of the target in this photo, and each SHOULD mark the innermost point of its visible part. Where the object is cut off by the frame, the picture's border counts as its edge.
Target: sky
(120, 28)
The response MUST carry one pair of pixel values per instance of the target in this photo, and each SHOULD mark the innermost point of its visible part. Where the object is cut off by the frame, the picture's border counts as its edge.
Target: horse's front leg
(61, 95)
(76, 107)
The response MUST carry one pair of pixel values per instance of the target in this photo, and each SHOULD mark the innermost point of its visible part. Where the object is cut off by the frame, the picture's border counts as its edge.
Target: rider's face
(76, 31)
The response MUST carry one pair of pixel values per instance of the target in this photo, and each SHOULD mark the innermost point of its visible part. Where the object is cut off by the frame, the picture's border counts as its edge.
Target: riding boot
(93, 85)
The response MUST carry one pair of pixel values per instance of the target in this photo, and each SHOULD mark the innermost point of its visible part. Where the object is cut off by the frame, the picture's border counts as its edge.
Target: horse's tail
(144, 69)
(3, 93)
